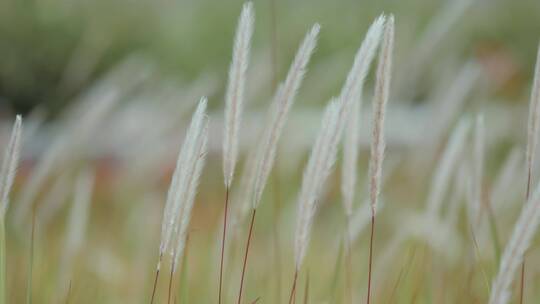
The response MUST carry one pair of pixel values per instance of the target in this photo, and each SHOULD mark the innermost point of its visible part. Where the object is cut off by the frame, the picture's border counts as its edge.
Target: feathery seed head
(235, 91)
(319, 166)
(279, 111)
(186, 168)
(380, 99)
(362, 61)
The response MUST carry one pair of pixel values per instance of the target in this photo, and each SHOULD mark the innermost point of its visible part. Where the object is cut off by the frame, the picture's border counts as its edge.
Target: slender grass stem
(171, 278)
(293, 287)
(156, 278)
(223, 243)
(370, 255)
(246, 255)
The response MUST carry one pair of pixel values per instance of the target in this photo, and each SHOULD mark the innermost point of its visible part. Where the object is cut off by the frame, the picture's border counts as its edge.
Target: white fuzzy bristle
(319, 166)
(235, 91)
(380, 99)
(281, 106)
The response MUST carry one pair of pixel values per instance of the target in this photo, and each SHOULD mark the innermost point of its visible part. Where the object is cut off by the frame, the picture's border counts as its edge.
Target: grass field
(269, 152)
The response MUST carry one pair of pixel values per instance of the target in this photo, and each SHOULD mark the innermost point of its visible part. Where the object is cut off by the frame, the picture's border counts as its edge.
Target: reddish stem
(223, 243)
(156, 278)
(293, 288)
(171, 281)
(370, 255)
(246, 256)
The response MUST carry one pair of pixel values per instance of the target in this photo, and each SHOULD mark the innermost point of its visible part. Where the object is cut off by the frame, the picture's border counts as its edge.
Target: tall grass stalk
(181, 194)
(233, 113)
(380, 99)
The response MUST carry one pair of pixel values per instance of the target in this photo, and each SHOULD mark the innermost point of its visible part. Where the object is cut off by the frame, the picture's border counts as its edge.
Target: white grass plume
(520, 240)
(183, 177)
(380, 99)
(188, 198)
(350, 105)
(534, 121)
(446, 165)
(9, 164)
(281, 106)
(235, 91)
(319, 166)
(355, 79)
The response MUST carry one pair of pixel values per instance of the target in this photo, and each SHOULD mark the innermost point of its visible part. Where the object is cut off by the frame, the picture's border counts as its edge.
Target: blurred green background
(51, 50)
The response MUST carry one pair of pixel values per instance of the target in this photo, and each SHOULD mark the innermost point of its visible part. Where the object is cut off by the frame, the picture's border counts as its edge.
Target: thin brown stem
(293, 288)
(223, 243)
(370, 255)
(171, 278)
(156, 278)
(246, 256)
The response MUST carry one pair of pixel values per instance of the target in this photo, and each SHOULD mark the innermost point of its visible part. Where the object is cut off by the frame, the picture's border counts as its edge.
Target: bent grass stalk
(181, 194)
(380, 99)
